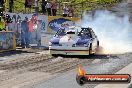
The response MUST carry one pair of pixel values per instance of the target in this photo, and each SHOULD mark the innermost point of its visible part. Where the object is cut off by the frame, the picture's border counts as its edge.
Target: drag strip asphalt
(111, 65)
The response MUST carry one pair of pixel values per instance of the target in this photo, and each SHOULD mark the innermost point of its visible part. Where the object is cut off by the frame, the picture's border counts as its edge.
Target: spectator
(71, 11)
(11, 5)
(54, 8)
(2, 2)
(65, 11)
(28, 4)
(48, 7)
(2, 24)
(18, 18)
(25, 33)
(31, 29)
(31, 24)
(8, 19)
(44, 2)
(18, 31)
(36, 5)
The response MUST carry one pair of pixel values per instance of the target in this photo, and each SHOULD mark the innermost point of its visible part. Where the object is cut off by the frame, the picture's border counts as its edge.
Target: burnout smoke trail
(114, 32)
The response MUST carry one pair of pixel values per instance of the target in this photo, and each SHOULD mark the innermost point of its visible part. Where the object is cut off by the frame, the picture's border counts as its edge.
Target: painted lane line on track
(126, 70)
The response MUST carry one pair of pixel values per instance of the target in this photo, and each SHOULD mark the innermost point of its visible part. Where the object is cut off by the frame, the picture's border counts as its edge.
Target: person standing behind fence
(44, 2)
(65, 11)
(8, 21)
(2, 24)
(36, 3)
(25, 33)
(2, 6)
(71, 11)
(28, 4)
(54, 8)
(11, 5)
(36, 6)
(48, 7)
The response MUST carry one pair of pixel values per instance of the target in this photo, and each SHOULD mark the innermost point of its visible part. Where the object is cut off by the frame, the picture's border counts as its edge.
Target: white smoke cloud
(113, 32)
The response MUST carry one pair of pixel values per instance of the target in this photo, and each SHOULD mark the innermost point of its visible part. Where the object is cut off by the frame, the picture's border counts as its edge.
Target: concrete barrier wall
(43, 29)
(40, 25)
(7, 41)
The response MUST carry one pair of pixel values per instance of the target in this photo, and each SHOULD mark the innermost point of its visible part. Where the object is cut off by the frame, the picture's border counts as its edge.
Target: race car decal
(69, 40)
(60, 23)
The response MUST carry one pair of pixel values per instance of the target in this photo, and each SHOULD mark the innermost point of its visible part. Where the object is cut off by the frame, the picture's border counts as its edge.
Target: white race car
(74, 41)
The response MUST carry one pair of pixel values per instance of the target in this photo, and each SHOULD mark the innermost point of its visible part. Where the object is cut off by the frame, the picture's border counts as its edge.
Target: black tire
(98, 44)
(80, 80)
(98, 48)
(90, 49)
(54, 55)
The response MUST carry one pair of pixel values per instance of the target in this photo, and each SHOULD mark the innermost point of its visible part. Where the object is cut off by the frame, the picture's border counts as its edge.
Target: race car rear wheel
(91, 50)
(97, 44)
(54, 55)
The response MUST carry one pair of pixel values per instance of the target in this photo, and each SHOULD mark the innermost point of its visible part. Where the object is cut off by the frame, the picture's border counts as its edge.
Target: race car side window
(92, 33)
(85, 32)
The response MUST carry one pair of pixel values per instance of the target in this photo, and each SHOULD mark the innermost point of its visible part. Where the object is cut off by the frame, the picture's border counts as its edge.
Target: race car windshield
(60, 32)
(84, 32)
